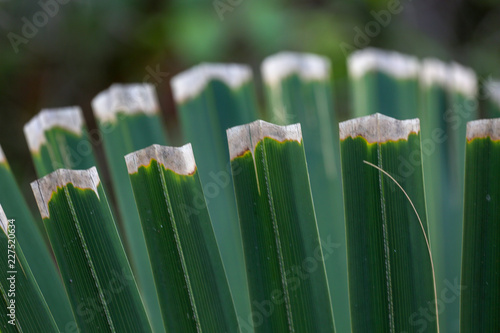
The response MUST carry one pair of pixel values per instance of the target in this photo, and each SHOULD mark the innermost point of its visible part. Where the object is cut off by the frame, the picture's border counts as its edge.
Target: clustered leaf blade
(58, 138)
(299, 90)
(95, 270)
(191, 282)
(480, 294)
(128, 117)
(284, 256)
(24, 306)
(391, 277)
(211, 98)
(383, 82)
(37, 254)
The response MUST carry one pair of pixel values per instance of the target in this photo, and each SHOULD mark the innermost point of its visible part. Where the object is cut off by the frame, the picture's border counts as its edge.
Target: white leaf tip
(177, 159)
(452, 76)
(378, 128)
(395, 64)
(68, 118)
(493, 91)
(130, 98)
(2, 156)
(191, 82)
(484, 128)
(246, 137)
(4, 222)
(308, 66)
(463, 80)
(434, 72)
(44, 187)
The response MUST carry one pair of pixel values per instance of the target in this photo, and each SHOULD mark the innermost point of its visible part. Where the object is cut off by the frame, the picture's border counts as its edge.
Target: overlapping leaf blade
(211, 98)
(129, 119)
(492, 102)
(299, 90)
(190, 278)
(383, 82)
(389, 259)
(443, 117)
(37, 253)
(95, 270)
(463, 107)
(480, 297)
(284, 256)
(21, 298)
(58, 138)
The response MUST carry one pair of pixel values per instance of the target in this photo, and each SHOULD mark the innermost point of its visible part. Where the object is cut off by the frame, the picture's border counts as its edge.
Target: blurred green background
(80, 47)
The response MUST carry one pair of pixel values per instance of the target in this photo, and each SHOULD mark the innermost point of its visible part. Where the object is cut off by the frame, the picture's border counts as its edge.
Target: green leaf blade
(435, 103)
(211, 98)
(259, 241)
(287, 278)
(129, 119)
(479, 299)
(299, 90)
(383, 82)
(95, 270)
(193, 289)
(448, 100)
(37, 254)
(390, 268)
(20, 294)
(492, 104)
(58, 138)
